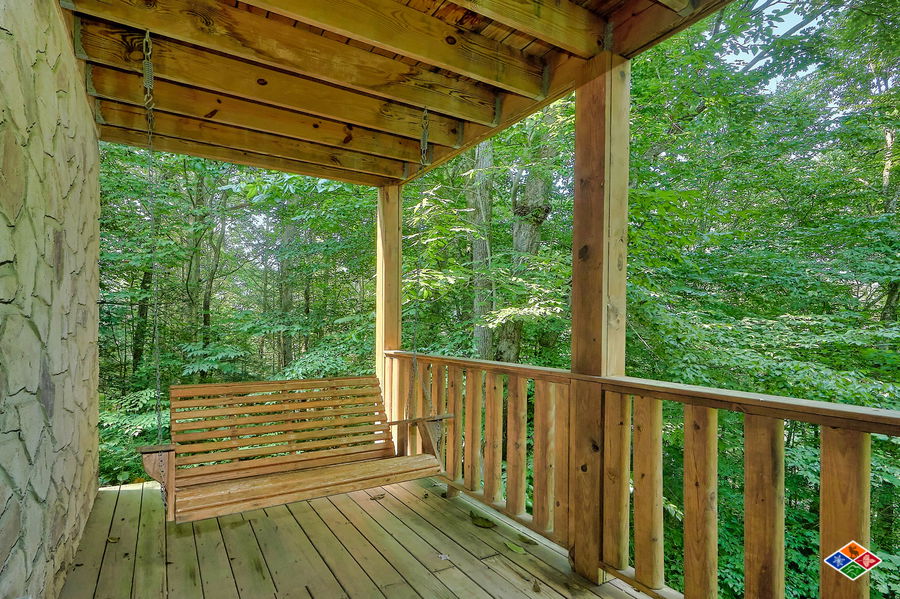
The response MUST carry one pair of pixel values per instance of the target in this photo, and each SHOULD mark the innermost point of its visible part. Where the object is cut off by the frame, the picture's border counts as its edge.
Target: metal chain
(423, 143)
(149, 106)
(426, 392)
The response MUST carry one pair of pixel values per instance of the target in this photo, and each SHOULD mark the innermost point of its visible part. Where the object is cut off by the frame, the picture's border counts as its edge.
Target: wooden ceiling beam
(638, 26)
(398, 28)
(642, 24)
(120, 46)
(188, 129)
(216, 26)
(560, 23)
(178, 99)
(138, 139)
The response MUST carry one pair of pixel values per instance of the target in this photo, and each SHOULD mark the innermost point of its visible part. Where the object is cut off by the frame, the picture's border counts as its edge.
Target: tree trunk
(478, 198)
(286, 296)
(530, 210)
(140, 327)
(889, 311)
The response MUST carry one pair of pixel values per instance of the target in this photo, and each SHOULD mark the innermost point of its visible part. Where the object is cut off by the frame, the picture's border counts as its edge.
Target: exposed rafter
(215, 26)
(120, 46)
(189, 129)
(202, 150)
(188, 101)
(393, 26)
(560, 23)
(644, 23)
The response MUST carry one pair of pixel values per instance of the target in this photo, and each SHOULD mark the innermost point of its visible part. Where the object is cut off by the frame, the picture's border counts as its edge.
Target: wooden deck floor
(397, 541)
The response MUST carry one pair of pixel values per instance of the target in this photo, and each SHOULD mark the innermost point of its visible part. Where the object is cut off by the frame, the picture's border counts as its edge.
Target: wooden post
(845, 488)
(763, 507)
(598, 288)
(387, 284)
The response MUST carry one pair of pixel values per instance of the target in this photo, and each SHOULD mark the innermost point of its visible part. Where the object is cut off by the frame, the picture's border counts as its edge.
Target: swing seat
(243, 446)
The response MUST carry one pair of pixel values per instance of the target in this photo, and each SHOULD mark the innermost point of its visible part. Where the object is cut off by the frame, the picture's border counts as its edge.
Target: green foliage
(764, 243)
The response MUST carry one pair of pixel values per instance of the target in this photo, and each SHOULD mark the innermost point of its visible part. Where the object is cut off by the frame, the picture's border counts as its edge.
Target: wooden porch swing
(243, 446)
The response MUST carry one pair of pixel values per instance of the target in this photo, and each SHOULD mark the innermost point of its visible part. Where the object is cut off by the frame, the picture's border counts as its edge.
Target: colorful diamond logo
(852, 560)
(853, 570)
(868, 560)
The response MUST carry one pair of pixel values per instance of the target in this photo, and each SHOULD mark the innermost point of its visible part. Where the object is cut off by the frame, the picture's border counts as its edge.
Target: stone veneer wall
(49, 205)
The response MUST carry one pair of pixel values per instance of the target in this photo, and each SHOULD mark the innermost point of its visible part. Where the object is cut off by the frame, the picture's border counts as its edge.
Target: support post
(387, 285)
(598, 288)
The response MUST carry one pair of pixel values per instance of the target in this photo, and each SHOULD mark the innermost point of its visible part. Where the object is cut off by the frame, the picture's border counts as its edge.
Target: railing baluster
(439, 399)
(844, 512)
(648, 503)
(763, 506)
(562, 516)
(700, 502)
(543, 457)
(455, 425)
(616, 478)
(516, 414)
(400, 390)
(472, 463)
(493, 436)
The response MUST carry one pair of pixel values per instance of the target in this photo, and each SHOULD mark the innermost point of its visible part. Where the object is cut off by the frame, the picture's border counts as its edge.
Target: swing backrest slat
(233, 430)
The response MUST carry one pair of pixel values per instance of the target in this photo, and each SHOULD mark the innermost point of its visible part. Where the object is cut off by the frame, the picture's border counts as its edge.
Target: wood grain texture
(493, 437)
(616, 478)
(648, 492)
(846, 459)
(138, 139)
(397, 28)
(388, 251)
(544, 456)
(215, 26)
(563, 24)
(701, 457)
(585, 473)
(516, 444)
(197, 130)
(119, 46)
(474, 405)
(763, 506)
(174, 98)
(454, 426)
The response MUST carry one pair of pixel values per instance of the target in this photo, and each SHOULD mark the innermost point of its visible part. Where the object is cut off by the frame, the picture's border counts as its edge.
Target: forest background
(764, 255)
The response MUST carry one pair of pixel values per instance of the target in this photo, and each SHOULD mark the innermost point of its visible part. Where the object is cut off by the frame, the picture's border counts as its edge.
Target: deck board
(403, 540)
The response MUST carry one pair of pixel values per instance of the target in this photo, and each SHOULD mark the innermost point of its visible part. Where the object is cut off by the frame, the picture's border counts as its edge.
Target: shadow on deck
(402, 540)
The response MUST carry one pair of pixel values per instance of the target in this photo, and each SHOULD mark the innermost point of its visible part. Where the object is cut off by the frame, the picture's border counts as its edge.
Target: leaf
(516, 548)
(112, 539)
(378, 497)
(536, 586)
(527, 540)
(481, 521)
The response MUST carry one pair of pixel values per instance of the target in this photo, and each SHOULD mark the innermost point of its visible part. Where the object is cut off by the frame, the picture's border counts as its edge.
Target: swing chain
(154, 223)
(423, 142)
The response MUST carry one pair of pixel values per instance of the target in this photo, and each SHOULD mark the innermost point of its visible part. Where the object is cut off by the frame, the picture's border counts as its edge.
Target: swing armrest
(416, 421)
(156, 448)
(159, 463)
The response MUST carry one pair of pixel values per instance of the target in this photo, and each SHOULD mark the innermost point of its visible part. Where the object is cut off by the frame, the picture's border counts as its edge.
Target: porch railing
(494, 418)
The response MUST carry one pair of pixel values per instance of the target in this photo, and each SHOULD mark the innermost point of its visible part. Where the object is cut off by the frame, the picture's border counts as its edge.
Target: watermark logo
(852, 560)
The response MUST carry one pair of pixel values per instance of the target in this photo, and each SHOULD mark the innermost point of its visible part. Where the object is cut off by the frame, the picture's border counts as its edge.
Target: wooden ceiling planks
(337, 89)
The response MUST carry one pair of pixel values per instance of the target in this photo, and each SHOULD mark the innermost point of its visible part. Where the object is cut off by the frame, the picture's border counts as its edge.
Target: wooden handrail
(630, 430)
(859, 418)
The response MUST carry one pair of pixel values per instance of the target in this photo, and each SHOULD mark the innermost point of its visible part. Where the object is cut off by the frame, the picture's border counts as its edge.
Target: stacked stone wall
(49, 204)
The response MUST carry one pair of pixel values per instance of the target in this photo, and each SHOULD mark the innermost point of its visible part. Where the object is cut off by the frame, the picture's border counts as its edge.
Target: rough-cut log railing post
(700, 502)
(493, 437)
(455, 425)
(472, 461)
(516, 429)
(648, 496)
(544, 459)
(763, 506)
(844, 511)
(616, 478)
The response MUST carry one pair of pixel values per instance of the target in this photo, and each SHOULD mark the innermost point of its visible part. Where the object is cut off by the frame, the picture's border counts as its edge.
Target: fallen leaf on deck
(112, 539)
(536, 586)
(513, 547)
(527, 540)
(481, 521)
(377, 497)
